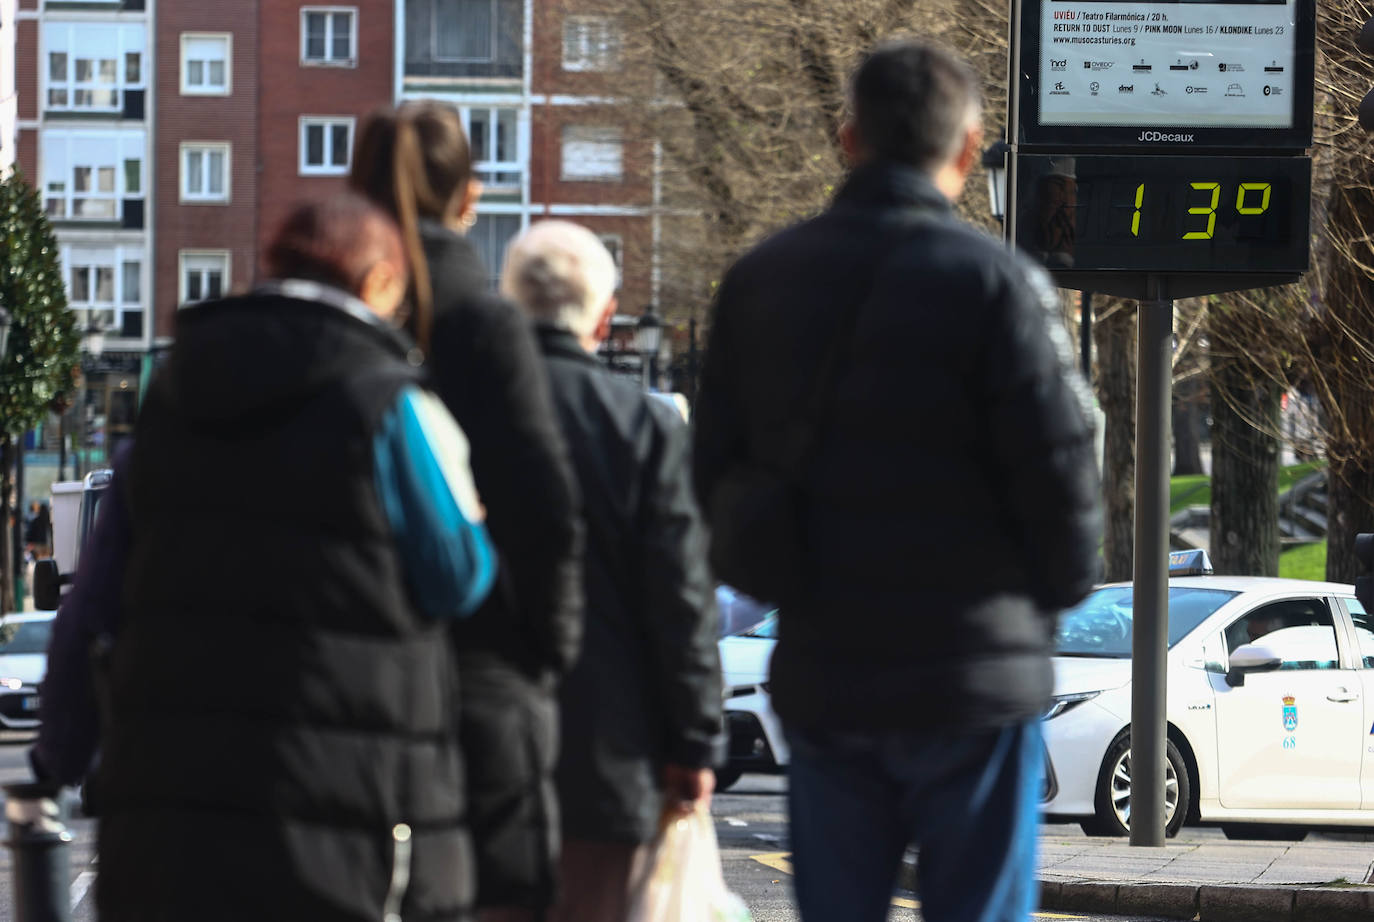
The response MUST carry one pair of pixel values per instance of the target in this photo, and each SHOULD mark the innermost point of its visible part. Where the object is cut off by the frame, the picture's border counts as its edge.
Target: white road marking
(731, 821)
(80, 886)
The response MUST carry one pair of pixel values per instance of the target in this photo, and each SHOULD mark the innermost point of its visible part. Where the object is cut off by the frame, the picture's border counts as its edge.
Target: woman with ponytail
(483, 362)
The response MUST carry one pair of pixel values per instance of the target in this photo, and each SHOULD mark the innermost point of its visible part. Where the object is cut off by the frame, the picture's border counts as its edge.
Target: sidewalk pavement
(1202, 875)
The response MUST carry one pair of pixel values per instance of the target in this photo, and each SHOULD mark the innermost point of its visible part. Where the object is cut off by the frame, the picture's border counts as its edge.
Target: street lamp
(648, 337)
(93, 344)
(995, 162)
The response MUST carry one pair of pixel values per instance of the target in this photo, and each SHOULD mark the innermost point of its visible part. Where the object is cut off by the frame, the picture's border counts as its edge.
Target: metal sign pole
(1150, 635)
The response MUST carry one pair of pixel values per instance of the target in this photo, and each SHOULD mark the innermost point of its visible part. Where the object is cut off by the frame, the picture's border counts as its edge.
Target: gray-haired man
(641, 709)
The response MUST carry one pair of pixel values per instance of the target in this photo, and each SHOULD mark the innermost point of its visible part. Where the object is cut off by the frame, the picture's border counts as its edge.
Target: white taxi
(1270, 708)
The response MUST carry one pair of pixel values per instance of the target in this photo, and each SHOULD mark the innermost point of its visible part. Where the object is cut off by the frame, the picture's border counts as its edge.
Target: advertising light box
(1105, 73)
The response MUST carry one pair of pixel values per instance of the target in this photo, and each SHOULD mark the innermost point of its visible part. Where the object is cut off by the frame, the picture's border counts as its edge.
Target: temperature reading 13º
(1201, 201)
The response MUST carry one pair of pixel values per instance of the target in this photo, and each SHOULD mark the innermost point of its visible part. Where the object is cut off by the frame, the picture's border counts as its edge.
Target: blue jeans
(970, 802)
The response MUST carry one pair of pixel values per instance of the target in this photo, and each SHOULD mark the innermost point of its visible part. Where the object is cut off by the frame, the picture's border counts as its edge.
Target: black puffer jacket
(952, 505)
(646, 690)
(274, 691)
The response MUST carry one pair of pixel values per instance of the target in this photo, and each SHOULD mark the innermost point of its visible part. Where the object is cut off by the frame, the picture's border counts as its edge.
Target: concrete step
(1291, 528)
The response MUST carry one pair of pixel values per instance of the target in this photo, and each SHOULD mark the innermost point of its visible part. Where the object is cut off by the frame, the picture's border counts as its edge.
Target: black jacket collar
(884, 184)
(557, 342)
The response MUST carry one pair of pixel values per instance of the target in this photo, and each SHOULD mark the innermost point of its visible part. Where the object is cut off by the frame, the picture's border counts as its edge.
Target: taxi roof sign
(1190, 563)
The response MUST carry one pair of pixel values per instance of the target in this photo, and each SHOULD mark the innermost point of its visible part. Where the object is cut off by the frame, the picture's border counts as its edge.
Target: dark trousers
(968, 801)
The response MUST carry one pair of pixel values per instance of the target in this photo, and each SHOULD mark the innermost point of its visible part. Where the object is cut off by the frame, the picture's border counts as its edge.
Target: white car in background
(23, 663)
(1270, 708)
(756, 743)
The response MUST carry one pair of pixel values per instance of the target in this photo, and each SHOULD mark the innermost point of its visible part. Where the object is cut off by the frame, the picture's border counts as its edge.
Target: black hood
(266, 352)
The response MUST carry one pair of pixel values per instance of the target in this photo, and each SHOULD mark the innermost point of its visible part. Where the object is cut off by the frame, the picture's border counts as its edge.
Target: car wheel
(1113, 799)
(726, 776)
(1249, 832)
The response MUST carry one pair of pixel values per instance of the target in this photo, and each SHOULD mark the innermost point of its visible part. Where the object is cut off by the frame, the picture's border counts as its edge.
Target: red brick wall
(26, 67)
(229, 119)
(298, 89)
(546, 150)
(548, 75)
(26, 155)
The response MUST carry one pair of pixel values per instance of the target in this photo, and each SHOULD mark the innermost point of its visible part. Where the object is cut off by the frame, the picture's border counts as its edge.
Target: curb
(1203, 902)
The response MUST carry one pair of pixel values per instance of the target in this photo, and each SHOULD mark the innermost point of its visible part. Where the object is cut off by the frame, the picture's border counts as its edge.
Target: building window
(205, 172)
(464, 38)
(464, 30)
(495, 139)
(491, 234)
(325, 146)
(329, 35)
(90, 65)
(106, 284)
(592, 153)
(88, 174)
(204, 275)
(616, 247)
(205, 64)
(591, 43)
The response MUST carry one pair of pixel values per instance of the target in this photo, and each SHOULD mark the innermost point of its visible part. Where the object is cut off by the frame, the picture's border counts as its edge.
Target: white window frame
(585, 54)
(615, 244)
(327, 122)
(609, 135)
(484, 163)
(329, 60)
(186, 256)
(205, 147)
(188, 89)
(111, 311)
(120, 47)
(496, 258)
(62, 189)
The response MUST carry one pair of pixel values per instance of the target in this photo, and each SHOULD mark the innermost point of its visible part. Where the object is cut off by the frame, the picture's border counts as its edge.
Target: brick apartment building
(9, 100)
(533, 79)
(169, 138)
(258, 104)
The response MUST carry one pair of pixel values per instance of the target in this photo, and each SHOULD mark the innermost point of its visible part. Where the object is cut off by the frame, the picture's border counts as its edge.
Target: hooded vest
(274, 695)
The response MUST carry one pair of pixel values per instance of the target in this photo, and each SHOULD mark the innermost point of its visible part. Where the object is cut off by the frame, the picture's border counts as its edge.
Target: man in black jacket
(949, 507)
(641, 708)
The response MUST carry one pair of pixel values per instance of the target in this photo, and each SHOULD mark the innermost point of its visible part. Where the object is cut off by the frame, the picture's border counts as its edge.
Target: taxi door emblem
(1290, 713)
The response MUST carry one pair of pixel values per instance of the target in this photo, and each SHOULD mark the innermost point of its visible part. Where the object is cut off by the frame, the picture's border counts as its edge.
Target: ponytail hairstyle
(414, 162)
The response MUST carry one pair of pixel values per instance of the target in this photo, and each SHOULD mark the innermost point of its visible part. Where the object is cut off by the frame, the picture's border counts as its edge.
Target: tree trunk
(1245, 469)
(1349, 491)
(1187, 430)
(1115, 338)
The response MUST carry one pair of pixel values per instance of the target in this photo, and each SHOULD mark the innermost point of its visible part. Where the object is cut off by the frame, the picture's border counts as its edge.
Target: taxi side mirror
(1251, 657)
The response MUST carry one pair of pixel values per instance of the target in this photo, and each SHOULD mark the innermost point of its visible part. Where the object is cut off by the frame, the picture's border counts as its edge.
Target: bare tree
(745, 99)
(1337, 343)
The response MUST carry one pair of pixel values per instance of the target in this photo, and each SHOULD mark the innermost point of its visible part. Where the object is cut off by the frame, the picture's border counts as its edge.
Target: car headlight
(1061, 703)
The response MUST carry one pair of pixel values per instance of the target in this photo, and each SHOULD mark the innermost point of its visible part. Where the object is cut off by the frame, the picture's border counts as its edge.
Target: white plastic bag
(683, 881)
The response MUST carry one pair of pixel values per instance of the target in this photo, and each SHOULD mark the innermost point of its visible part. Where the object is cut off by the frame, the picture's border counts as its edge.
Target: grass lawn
(1196, 489)
(1306, 561)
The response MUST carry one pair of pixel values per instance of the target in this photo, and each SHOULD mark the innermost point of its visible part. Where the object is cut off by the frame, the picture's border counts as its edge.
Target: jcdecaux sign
(1162, 140)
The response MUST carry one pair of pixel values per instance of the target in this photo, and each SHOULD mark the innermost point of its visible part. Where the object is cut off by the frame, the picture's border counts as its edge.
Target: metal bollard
(38, 842)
